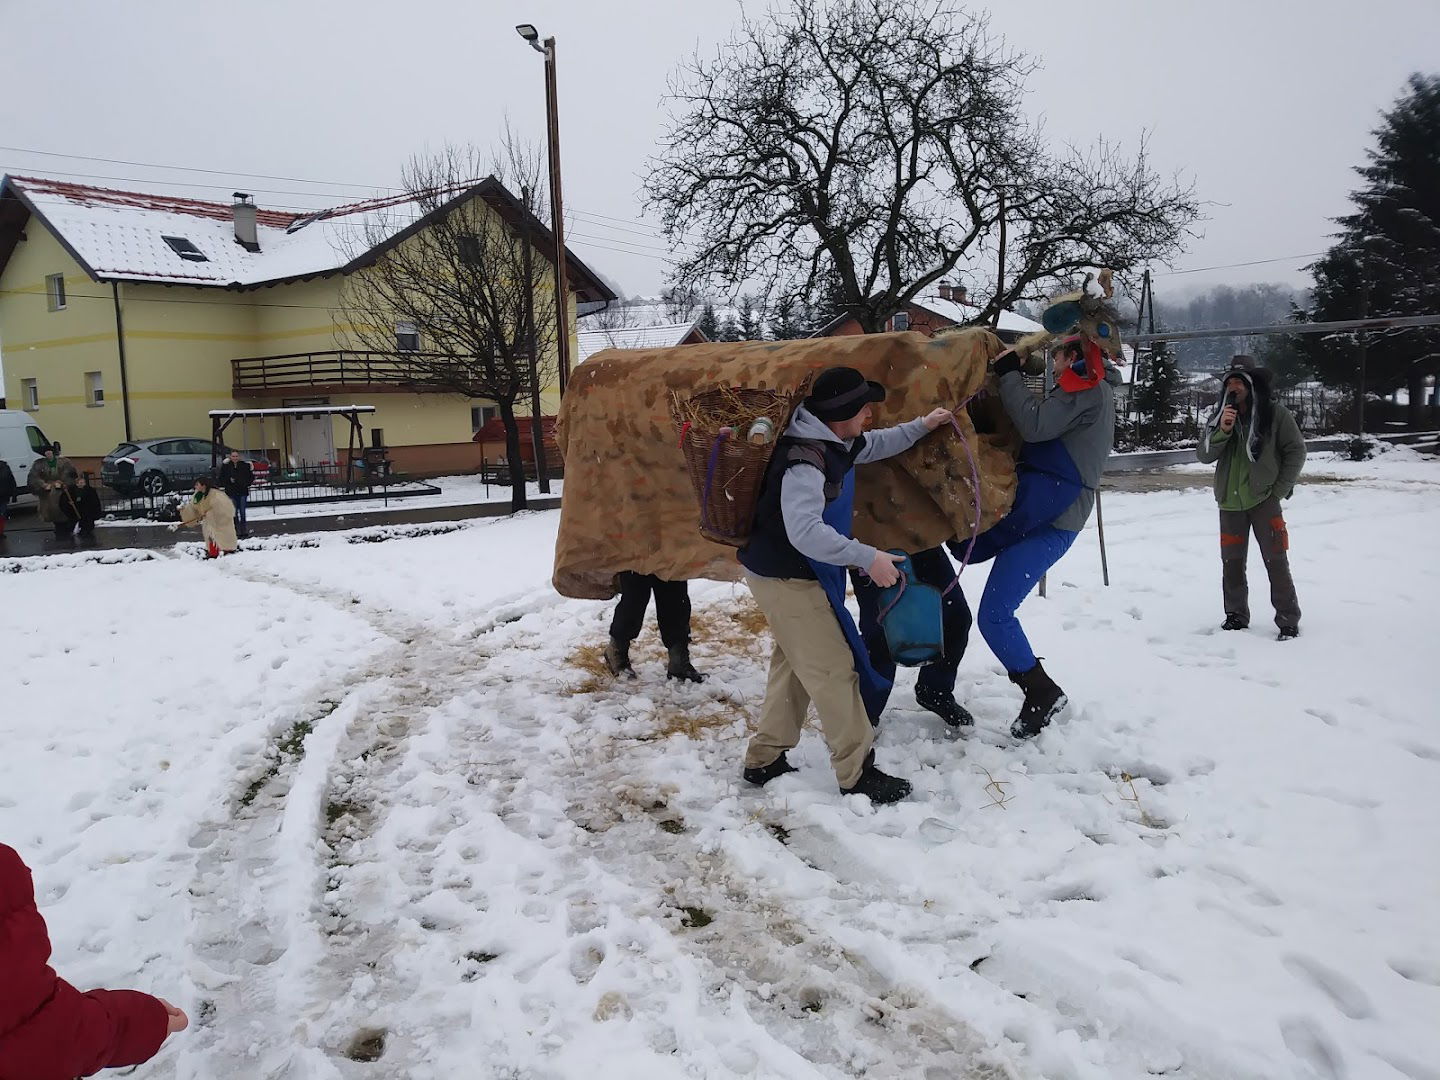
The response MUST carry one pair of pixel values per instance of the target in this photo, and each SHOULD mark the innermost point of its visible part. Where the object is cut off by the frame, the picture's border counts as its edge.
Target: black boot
(944, 706)
(881, 788)
(1043, 699)
(1288, 632)
(763, 774)
(617, 658)
(1234, 622)
(680, 666)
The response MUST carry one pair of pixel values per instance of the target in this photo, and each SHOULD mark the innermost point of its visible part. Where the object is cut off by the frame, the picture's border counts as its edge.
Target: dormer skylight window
(185, 249)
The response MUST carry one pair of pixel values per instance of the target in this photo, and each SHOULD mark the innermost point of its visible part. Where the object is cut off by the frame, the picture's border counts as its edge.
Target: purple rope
(710, 479)
(974, 486)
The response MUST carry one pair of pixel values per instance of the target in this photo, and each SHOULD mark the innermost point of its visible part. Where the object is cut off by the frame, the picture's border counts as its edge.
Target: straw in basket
(726, 469)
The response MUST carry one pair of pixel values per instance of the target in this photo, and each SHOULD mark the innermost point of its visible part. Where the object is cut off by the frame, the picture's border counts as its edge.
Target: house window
(470, 249)
(94, 388)
(30, 393)
(900, 321)
(185, 249)
(55, 291)
(377, 438)
(480, 415)
(407, 337)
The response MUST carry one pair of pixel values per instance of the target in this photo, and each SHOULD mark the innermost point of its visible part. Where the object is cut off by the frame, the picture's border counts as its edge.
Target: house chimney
(246, 233)
(944, 290)
(958, 295)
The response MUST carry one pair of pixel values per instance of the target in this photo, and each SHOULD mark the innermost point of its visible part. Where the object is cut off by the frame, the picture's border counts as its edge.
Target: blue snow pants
(1017, 570)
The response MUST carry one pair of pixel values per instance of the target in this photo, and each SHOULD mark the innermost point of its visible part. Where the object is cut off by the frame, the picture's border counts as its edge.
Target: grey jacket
(1084, 422)
(802, 490)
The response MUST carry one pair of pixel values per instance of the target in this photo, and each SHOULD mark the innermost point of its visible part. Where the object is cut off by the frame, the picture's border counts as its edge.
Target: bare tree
(872, 148)
(464, 303)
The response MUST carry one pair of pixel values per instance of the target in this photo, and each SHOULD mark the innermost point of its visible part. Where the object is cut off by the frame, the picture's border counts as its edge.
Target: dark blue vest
(769, 551)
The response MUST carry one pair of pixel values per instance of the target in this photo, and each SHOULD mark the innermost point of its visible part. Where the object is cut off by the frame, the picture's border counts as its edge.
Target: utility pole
(537, 430)
(557, 204)
(1364, 314)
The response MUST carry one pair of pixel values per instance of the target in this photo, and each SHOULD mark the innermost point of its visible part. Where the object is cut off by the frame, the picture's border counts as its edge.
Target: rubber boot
(944, 706)
(879, 787)
(617, 658)
(680, 666)
(1043, 699)
(760, 775)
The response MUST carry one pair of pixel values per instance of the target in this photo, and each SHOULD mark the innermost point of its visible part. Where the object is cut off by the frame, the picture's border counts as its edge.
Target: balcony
(335, 371)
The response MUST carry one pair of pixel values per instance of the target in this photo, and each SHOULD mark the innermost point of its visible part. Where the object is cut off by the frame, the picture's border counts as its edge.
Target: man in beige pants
(811, 660)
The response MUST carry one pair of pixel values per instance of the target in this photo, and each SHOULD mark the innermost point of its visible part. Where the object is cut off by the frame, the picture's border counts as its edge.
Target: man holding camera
(1258, 453)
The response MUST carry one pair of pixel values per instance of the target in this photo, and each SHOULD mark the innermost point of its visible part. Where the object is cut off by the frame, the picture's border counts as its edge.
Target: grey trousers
(1268, 524)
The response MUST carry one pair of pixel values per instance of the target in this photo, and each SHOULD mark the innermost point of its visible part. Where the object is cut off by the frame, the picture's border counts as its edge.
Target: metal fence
(280, 487)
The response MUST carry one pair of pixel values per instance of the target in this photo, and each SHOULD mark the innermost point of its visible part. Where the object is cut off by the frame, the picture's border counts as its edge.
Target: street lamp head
(528, 32)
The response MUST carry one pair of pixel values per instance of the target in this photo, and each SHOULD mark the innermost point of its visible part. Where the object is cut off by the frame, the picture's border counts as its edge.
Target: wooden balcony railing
(355, 370)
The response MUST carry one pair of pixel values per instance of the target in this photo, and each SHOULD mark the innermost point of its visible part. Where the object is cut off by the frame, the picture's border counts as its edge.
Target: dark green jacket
(1274, 448)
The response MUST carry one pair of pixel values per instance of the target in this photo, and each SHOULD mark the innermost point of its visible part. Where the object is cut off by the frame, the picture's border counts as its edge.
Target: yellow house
(126, 315)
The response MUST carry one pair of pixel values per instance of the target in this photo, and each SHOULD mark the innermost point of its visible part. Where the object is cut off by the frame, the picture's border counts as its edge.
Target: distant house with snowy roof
(129, 315)
(943, 307)
(661, 336)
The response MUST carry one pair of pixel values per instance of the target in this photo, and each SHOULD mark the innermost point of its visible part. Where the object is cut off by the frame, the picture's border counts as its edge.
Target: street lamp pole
(557, 204)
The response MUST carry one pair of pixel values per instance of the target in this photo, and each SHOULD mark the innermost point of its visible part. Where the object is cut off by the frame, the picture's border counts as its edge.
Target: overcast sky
(1265, 105)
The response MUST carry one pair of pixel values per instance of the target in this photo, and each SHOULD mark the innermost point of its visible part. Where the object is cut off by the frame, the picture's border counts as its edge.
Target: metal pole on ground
(1100, 526)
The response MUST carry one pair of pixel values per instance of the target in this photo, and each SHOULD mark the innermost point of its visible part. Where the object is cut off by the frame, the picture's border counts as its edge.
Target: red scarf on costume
(1072, 382)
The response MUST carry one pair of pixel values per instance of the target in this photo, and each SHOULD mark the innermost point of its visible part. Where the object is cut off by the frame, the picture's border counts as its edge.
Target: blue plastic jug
(911, 614)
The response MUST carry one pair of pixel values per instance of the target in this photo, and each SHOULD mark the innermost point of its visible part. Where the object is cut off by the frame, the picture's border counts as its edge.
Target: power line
(1233, 266)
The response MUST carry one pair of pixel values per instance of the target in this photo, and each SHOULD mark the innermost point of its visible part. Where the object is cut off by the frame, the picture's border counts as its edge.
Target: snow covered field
(369, 800)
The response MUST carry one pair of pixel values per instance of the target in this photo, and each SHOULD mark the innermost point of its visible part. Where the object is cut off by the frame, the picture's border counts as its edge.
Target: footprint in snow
(1347, 996)
(1306, 1041)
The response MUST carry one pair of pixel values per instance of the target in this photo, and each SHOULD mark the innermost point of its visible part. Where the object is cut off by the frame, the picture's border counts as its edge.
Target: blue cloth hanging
(874, 688)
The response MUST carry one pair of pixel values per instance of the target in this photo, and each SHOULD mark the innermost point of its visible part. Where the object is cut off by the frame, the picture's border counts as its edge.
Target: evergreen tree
(789, 321)
(1286, 354)
(1157, 399)
(729, 328)
(1387, 259)
(708, 324)
(751, 319)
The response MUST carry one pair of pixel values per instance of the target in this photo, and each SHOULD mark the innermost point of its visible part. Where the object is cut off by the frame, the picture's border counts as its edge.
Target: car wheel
(154, 483)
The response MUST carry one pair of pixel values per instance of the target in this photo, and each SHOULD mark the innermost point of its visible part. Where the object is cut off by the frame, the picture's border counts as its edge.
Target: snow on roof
(633, 337)
(963, 313)
(120, 235)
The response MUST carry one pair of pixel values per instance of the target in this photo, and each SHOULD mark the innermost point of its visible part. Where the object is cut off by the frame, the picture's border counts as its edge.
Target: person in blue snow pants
(1068, 436)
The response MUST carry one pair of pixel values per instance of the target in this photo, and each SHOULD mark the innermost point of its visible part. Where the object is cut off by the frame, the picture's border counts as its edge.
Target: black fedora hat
(841, 392)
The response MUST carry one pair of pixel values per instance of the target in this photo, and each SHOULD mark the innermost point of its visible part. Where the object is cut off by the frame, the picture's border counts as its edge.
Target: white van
(21, 441)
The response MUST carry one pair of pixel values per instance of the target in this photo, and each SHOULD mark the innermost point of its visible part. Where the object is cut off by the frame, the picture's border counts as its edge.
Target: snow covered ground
(350, 800)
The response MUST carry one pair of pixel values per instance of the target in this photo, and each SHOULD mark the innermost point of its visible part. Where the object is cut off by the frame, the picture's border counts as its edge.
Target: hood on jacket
(1256, 422)
(806, 425)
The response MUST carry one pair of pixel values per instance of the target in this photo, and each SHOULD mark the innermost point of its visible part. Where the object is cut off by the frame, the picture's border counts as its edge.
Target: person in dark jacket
(1067, 437)
(672, 612)
(1258, 453)
(791, 547)
(50, 480)
(48, 1029)
(935, 685)
(236, 478)
(8, 490)
(87, 504)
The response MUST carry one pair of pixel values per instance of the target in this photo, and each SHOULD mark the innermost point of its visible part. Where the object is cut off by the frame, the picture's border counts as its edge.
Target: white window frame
(486, 413)
(30, 395)
(94, 389)
(406, 329)
(55, 292)
(900, 321)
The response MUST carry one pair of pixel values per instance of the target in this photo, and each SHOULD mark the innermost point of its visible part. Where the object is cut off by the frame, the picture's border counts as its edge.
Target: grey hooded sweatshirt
(802, 490)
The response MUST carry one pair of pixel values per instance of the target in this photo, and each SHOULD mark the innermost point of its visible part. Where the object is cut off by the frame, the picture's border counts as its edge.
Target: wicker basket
(725, 469)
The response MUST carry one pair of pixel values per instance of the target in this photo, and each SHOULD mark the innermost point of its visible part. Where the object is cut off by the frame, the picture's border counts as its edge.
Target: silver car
(155, 466)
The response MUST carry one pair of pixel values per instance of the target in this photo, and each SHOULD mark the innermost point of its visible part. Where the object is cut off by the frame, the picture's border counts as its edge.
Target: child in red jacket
(48, 1029)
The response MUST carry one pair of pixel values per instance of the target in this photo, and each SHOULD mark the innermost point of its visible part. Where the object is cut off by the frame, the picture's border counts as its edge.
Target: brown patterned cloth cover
(628, 503)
